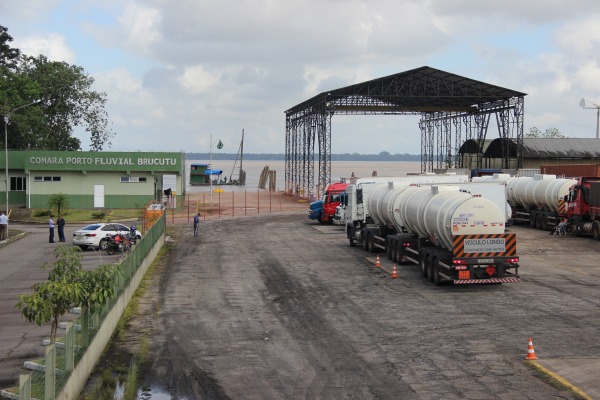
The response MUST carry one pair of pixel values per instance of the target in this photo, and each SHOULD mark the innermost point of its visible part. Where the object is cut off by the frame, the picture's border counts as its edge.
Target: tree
(8, 56)
(551, 133)
(60, 201)
(67, 101)
(68, 286)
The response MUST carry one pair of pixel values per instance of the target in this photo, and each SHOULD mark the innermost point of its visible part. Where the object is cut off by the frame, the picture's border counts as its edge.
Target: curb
(560, 380)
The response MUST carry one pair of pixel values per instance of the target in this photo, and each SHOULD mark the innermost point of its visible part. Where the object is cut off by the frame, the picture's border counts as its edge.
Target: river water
(339, 169)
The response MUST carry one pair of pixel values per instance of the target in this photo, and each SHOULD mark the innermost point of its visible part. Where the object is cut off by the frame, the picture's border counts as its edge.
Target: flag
(220, 145)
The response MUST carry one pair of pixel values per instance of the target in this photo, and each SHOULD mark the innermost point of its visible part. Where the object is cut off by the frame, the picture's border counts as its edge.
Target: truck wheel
(573, 226)
(596, 230)
(398, 252)
(532, 220)
(538, 221)
(350, 235)
(437, 279)
(390, 248)
(423, 263)
(371, 247)
(544, 222)
(428, 262)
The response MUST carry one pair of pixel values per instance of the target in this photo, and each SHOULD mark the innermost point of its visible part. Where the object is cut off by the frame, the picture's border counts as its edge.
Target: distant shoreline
(383, 156)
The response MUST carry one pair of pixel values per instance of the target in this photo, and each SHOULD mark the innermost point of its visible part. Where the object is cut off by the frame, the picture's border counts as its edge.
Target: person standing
(51, 227)
(60, 222)
(3, 227)
(196, 223)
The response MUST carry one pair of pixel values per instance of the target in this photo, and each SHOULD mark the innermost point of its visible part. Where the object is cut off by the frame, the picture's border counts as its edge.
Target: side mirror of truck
(359, 196)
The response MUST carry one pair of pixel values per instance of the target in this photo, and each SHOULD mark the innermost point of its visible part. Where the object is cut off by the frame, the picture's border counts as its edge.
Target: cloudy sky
(177, 72)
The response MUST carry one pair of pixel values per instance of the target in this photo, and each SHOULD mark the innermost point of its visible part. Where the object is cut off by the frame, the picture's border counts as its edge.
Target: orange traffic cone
(377, 262)
(394, 272)
(530, 351)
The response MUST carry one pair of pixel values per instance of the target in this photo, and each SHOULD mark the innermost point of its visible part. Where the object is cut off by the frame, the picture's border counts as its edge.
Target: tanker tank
(437, 211)
(542, 191)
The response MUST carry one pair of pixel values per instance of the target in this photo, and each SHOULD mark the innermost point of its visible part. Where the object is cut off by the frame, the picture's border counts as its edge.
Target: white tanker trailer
(452, 235)
(354, 211)
(539, 200)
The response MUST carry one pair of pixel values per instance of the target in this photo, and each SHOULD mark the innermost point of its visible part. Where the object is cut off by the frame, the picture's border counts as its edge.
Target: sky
(180, 75)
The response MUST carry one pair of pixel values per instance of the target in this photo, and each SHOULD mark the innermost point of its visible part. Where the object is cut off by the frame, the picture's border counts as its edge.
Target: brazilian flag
(220, 145)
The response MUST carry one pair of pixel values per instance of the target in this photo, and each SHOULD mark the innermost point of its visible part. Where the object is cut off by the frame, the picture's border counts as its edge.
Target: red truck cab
(331, 199)
(583, 208)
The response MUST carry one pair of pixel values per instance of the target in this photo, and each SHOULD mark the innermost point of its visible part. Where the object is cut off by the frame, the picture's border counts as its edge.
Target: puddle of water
(155, 393)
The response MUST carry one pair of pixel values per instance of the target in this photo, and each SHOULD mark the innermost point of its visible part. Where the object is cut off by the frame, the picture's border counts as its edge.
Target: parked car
(95, 235)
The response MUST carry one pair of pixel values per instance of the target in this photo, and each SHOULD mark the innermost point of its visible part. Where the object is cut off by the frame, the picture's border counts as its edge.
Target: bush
(42, 213)
(99, 215)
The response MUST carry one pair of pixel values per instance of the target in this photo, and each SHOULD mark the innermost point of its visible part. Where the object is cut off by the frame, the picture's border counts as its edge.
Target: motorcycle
(118, 243)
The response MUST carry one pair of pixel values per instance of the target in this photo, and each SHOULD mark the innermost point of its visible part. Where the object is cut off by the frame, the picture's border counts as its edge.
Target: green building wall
(75, 174)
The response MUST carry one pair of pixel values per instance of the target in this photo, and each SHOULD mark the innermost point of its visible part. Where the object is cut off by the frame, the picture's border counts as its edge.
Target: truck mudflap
(483, 281)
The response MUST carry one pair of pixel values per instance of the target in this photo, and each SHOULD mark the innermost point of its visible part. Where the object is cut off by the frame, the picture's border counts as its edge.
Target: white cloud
(53, 46)
(198, 80)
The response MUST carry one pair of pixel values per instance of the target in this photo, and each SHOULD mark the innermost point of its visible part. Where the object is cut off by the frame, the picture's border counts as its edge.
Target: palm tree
(59, 201)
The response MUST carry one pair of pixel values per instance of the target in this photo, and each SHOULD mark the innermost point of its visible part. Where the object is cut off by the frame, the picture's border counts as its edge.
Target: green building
(92, 179)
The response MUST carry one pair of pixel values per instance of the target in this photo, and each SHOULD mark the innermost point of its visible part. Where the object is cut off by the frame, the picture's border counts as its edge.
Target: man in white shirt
(3, 226)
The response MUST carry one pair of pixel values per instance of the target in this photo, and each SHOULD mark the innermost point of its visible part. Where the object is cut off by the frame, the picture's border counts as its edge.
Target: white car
(95, 235)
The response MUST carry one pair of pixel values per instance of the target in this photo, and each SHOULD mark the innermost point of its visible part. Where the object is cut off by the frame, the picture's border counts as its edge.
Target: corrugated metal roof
(561, 148)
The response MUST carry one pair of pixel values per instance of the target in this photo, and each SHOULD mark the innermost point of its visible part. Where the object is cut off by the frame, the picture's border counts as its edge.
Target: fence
(236, 203)
(69, 362)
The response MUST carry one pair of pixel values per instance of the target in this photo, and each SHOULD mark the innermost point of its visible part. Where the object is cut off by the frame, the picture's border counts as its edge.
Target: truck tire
(350, 233)
(398, 251)
(538, 221)
(437, 279)
(429, 263)
(401, 250)
(370, 246)
(532, 220)
(391, 242)
(574, 227)
(544, 222)
(596, 230)
(423, 263)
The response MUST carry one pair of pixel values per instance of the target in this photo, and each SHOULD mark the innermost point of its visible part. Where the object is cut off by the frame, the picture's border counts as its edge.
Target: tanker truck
(354, 210)
(539, 200)
(452, 235)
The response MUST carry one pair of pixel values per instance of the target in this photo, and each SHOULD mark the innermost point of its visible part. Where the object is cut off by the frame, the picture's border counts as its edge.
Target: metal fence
(50, 374)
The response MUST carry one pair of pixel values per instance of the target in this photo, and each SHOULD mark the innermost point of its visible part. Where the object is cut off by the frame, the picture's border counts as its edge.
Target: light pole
(6, 119)
(597, 107)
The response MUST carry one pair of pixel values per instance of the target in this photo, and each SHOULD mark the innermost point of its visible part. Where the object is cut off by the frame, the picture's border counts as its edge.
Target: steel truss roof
(450, 106)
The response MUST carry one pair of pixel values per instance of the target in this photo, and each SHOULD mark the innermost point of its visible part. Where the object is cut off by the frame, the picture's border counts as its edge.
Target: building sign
(102, 161)
(36, 160)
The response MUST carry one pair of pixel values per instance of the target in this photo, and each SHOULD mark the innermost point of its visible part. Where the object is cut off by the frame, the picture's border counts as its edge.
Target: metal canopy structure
(452, 109)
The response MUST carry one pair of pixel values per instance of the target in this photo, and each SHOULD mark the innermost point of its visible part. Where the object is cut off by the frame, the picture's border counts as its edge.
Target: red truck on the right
(583, 207)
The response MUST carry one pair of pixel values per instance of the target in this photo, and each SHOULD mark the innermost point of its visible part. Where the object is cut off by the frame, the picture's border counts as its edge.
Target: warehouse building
(502, 153)
(92, 179)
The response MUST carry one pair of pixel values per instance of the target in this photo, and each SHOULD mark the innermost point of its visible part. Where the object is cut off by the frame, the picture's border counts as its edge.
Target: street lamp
(597, 107)
(6, 119)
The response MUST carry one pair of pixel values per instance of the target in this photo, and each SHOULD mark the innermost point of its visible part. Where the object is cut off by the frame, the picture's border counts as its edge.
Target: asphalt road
(21, 264)
(278, 307)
